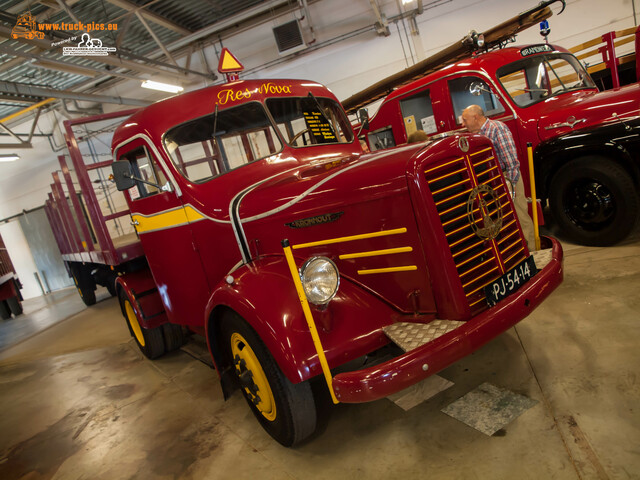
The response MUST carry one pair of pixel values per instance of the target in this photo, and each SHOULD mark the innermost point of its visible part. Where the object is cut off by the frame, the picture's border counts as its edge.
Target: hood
(336, 181)
(341, 207)
(586, 108)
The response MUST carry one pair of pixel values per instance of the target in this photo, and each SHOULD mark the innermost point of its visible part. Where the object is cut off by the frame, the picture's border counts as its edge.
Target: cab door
(162, 225)
(461, 95)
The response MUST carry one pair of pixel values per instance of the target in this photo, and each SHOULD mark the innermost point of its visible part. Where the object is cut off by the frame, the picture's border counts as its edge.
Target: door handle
(135, 222)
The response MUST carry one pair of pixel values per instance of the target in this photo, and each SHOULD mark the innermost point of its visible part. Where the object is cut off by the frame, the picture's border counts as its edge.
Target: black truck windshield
(539, 77)
(209, 146)
(305, 121)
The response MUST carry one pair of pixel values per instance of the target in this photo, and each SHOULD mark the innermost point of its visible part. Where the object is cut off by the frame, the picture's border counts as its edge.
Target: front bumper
(406, 370)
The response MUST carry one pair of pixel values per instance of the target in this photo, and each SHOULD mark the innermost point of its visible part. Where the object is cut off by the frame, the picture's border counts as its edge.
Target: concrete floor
(78, 400)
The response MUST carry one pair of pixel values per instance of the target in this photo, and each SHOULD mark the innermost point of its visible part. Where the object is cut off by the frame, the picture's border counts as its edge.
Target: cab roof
(153, 121)
(487, 62)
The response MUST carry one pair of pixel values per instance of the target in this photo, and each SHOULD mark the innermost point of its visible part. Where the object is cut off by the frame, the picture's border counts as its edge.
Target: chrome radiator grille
(478, 219)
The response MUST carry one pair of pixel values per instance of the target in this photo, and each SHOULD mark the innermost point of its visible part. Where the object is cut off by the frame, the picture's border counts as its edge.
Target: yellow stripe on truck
(168, 219)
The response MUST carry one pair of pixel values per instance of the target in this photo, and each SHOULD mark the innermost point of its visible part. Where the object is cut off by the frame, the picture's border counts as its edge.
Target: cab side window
(460, 90)
(417, 113)
(145, 167)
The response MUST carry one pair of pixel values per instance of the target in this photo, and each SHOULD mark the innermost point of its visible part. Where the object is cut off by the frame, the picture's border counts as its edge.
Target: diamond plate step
(542, 257)
(409, 336)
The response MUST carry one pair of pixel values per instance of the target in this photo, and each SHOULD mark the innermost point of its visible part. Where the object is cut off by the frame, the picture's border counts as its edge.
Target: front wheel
(150, 340)
(285, 410)
(593, 200)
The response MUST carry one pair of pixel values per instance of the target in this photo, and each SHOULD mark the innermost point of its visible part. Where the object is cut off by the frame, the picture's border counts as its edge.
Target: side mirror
(363, 116)
(122, 175)
(124, 178)
(476, 89)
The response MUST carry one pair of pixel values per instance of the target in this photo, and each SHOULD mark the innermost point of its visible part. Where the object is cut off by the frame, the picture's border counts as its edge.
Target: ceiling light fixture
(8, 157)
(163, 87)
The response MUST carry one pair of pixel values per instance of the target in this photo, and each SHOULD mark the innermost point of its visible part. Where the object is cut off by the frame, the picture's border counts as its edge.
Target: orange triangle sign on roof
(228, 63)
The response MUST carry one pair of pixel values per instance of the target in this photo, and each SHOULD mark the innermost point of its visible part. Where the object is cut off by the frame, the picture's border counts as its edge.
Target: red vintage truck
(586, 144)
(267, 230)
(10, 296)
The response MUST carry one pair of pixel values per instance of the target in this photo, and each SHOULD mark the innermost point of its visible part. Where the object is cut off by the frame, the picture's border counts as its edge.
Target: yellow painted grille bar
(375, 253)
(455, 172)
(450, 186)
(444, 165)
(448, 199)
(519, 251)
(372, 271)
(478, 278)
(351, 238)
(480, 151)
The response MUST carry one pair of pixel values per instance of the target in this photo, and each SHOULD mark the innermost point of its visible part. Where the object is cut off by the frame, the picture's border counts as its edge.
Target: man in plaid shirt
(474, 120)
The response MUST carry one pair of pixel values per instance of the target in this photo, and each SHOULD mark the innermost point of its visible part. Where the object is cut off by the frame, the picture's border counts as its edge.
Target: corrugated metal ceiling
(170, 20)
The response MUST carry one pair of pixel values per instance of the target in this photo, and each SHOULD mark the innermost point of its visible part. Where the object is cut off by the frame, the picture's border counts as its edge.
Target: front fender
(264, 295)
(618, 141)
(144, 297)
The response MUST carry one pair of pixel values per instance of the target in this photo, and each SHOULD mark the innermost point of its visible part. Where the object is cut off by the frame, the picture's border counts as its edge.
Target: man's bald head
(473, 118)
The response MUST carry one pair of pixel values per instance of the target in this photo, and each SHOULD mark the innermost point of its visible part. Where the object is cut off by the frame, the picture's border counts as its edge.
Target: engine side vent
(289, 37)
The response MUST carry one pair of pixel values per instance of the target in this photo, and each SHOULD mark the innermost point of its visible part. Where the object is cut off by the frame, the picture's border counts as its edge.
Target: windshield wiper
(564, 87)
(215, 123)
(324, 116)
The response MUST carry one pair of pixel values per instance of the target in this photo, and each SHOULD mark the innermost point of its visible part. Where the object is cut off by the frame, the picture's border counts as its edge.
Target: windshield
(310, 120)
(536, 78)
(211, 145)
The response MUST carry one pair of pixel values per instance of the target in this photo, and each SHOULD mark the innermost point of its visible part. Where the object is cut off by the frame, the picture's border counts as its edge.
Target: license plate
(510, 281)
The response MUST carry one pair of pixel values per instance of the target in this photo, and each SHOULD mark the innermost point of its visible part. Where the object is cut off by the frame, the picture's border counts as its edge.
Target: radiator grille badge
(484, 212)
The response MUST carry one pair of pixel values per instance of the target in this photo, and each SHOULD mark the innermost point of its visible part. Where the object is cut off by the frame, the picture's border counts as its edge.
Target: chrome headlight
(320, 280)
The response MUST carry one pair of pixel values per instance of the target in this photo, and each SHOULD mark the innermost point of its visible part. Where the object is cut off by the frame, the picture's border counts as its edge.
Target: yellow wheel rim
(133, 321)
(245, 360)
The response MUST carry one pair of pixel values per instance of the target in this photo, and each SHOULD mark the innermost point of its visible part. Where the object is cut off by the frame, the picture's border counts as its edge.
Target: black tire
(84, 284)
(150, 341)
(594, 201)
(111, 286)
(285, 410)
(15, 306)
(173, 336)
(5, 312)
(88, 296)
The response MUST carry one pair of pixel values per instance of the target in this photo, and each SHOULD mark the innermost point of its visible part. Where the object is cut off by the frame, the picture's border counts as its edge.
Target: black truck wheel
(85, 284)
(15, 306)
(285, 410)
(149, 340)
(593, 200)
(5, 312)
(173, 336)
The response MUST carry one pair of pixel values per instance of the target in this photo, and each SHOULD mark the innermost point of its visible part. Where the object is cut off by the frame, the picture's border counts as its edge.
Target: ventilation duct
(289, 37)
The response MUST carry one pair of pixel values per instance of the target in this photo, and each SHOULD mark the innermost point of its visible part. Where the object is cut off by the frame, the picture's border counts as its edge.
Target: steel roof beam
(68, 67)
(265, 7)
(15, 88)
(152, 17)
(154, 36)
(116, 61)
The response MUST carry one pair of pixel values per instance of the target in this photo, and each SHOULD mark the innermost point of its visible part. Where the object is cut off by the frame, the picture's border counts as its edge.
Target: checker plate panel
(409, 336)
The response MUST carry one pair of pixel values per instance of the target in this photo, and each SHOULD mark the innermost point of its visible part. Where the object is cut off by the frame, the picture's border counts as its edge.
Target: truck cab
(267, 230)
(585, 143)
